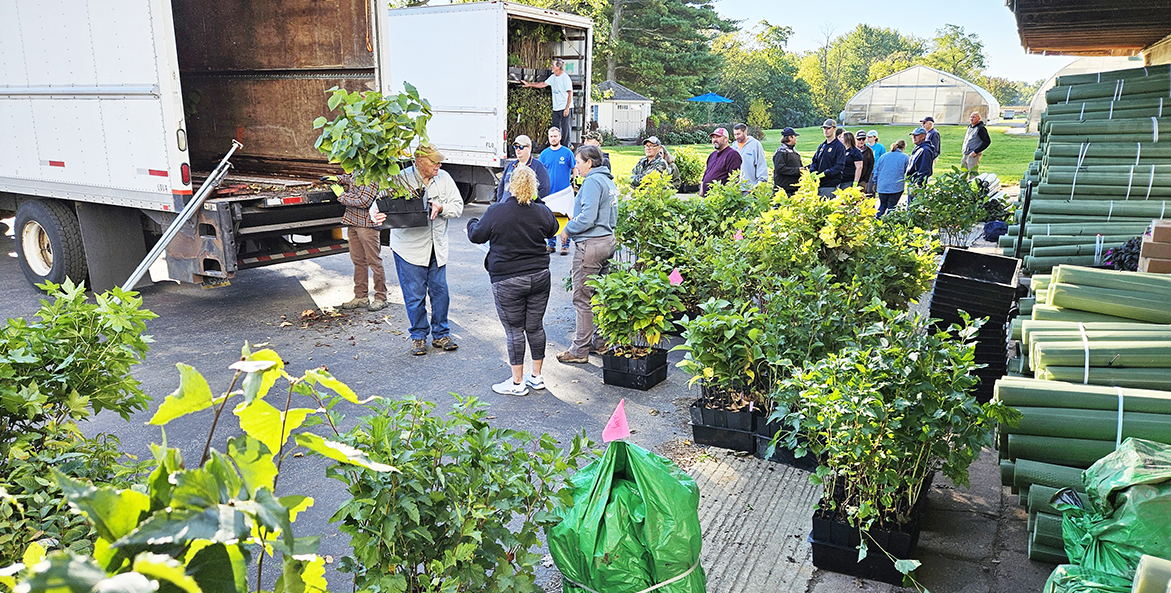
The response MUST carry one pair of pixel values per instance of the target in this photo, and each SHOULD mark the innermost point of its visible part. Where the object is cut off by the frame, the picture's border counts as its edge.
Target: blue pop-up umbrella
(710, 99)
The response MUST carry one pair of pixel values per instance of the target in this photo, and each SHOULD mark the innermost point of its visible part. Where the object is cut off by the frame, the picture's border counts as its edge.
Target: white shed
(622, 111)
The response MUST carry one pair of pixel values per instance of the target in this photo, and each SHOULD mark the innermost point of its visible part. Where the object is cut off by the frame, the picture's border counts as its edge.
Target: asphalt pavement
(206, 328)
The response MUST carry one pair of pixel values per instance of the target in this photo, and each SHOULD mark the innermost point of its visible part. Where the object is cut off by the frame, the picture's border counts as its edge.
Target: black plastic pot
(401, 214)
(744, 420)
(781, 454)
(689, 188)
(635, 373)
(835, 545)
(725, 438)
(710, 427)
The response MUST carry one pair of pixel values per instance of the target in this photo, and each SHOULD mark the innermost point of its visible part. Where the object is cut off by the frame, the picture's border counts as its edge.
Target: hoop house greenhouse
(908, 96)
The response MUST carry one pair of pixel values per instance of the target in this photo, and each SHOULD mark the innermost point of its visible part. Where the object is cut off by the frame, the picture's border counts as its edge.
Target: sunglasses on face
(520, 146)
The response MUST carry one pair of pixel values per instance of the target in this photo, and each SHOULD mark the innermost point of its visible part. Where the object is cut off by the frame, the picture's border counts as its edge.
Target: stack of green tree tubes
(1102, 169)
(1064, 428)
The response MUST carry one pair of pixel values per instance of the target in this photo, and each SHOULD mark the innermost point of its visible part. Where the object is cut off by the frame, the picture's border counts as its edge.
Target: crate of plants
(371, 138)
(723, 353)
(632, 308)
(882, 419)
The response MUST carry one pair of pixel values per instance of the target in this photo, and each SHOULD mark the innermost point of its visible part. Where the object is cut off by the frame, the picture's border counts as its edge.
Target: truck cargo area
(258, 72)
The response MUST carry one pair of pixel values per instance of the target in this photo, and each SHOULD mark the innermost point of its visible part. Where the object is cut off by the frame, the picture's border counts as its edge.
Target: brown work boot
(568, 357)
(446, 343)
(418, 347)
(356, 303)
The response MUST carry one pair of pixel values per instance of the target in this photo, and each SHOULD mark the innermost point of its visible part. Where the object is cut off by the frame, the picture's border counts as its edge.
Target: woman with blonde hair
(518, 265)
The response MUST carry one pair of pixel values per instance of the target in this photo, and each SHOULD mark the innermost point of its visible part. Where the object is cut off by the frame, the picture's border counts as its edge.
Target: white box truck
(111, 113)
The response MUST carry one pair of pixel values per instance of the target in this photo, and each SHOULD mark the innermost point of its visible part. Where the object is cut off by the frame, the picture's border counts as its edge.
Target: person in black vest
(787, 163)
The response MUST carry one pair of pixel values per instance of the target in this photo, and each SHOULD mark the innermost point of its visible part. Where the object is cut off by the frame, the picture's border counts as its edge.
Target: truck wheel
(467, 191)
(48, 242)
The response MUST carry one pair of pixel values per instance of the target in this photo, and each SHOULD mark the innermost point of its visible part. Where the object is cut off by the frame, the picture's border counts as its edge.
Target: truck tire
(48, 242)
(467, 191)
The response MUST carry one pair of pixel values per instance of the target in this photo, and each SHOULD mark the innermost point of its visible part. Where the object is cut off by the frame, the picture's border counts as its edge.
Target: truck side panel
(81, 114)
(455, 56)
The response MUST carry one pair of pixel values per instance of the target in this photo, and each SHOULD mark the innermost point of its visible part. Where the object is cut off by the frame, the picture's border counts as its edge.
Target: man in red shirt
(721, 163)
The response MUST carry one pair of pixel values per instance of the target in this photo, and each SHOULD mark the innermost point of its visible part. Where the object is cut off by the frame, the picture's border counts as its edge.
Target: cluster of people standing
(520, 232)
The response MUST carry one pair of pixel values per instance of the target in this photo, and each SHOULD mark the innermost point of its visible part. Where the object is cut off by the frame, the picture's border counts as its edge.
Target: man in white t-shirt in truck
(562, 86)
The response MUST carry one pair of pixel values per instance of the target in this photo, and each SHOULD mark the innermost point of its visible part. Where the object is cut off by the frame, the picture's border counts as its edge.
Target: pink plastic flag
(616, 428)
(676, 278)
(739, 235)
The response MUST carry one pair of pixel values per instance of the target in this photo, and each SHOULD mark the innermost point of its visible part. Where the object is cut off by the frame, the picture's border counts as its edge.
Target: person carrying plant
(787, 163)
(420, 253)
(518, 266)
(595, 213)
(562, 86)
(558, 161)
(654, 160)
(365, 248)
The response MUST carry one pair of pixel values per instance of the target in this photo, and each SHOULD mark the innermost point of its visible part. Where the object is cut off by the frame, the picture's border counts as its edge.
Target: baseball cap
(720, 132)
(429, 152)
(919, 131)
(872, 134)
(927, 119)
(592, 135)
(523, 140)
(789, 132)
(654, 140)
(861, 134)
(829, 123)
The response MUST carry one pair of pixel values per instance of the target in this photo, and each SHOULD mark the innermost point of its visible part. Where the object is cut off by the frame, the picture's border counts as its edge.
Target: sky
(990, 19)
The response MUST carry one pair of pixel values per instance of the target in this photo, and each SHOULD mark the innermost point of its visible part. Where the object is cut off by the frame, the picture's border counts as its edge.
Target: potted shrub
(691, 167)
(371, 138)
(632, 308)
(883, 415)
(724, 354)
(952, 205)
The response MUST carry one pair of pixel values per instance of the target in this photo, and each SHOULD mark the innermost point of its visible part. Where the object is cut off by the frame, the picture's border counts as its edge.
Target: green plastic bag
(634, 527)
(1129, 515)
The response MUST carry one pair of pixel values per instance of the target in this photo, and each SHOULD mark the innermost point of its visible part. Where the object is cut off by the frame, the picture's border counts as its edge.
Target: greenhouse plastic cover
(1129, 492)
(633, 527)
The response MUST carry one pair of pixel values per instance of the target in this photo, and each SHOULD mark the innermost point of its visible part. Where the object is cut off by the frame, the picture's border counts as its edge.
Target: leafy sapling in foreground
(197, 529)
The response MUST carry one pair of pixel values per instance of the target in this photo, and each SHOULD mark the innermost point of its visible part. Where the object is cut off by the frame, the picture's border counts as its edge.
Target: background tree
(662, 48)
(758, 73)
(954, 51)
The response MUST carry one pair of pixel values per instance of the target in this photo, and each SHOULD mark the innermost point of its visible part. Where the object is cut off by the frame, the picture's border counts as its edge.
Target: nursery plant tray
(635, 373)
(725, 438)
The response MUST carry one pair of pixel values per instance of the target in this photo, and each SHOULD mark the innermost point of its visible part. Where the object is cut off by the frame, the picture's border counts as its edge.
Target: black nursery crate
(640, 381)
(635, 373)
(764, 435)
(982, 268)
(725, 438)
(844, 560)
(404, 213)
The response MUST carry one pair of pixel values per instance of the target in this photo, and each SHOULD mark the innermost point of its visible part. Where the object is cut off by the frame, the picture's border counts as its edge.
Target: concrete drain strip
(755, 517)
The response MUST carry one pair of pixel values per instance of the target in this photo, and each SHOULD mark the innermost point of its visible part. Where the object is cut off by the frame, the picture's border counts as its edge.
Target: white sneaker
(535, 381)
(507, 387)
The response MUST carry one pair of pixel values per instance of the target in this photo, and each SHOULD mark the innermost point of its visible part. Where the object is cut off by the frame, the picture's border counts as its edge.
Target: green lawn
(1008, 156)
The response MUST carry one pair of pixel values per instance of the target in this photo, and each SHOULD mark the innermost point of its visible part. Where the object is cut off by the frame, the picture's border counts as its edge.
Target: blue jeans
(418, 283)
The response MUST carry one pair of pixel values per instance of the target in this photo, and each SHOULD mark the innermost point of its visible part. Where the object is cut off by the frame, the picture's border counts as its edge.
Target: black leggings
(520, 303)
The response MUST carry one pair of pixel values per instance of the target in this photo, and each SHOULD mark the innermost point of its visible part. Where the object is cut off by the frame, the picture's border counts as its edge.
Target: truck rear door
(455, 56)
